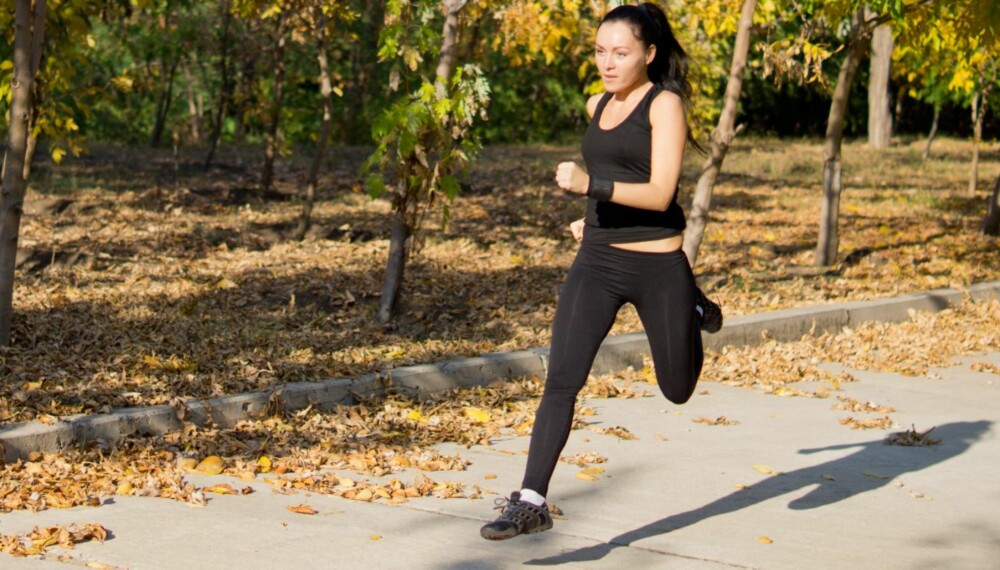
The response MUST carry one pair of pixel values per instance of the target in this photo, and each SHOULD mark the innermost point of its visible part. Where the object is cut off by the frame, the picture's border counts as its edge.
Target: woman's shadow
(872, 466)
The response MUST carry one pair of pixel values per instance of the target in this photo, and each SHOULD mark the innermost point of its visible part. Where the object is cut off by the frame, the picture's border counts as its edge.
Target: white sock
(529, 496)
(701, 312)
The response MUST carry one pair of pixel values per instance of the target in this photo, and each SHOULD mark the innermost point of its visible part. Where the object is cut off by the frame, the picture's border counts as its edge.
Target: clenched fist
(576, 228)
(570, 177)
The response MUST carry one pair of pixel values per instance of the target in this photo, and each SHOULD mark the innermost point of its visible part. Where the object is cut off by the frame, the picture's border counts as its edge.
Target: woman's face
(621, 57)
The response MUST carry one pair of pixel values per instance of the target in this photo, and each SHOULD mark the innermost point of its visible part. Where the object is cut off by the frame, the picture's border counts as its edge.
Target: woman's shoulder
(593, 102)
(665, 104)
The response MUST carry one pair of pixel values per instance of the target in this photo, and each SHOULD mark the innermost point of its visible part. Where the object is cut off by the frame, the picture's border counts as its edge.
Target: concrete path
(683, 495)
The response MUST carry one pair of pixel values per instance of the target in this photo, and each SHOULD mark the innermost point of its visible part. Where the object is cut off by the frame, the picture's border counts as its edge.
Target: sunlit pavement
(786, 485)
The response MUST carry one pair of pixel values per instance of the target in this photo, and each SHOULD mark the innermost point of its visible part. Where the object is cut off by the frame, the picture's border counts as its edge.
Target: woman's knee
(678, 394)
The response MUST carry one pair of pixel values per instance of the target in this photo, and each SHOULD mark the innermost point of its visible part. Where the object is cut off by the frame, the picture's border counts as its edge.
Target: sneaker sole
(489, 535)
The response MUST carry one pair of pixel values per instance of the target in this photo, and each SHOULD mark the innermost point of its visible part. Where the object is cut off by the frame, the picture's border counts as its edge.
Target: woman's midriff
(665, 245)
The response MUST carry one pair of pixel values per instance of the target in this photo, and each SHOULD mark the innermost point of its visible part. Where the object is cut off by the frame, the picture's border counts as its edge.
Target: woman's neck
(623, 94)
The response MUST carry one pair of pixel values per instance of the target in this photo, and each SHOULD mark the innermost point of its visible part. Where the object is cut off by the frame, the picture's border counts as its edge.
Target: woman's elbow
(663, 203)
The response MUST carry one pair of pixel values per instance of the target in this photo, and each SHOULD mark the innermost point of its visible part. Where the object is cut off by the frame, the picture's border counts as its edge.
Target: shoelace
(501, 504)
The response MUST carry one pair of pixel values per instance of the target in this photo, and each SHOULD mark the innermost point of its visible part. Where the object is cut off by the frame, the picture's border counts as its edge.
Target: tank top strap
(647, 101)
(601, 105)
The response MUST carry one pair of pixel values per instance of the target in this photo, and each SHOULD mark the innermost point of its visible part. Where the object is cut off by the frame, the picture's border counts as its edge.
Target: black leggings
(601, 280)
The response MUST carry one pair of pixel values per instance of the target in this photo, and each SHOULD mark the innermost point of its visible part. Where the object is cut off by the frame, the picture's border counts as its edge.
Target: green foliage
(423, 140)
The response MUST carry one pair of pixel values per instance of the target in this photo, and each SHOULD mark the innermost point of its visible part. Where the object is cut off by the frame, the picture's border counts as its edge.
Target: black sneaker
(711, 318)
(516, 517)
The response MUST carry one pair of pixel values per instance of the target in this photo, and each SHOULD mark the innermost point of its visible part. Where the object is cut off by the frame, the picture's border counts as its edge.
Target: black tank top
(622, 154)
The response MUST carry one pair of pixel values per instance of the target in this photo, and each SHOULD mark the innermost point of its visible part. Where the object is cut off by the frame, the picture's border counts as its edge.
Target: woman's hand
(576, 228)
(570, 177)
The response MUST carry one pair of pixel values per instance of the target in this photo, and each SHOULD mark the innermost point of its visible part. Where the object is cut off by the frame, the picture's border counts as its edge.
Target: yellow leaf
(211, 465)
(585, 476)
(226, 284)
(490, 476)
(765, 540)
(477, 415)
(264, 464)
(57, 155)
(187, 463)
(415, 415)
(221, 489)
(765, 470)
(376, 537)
(302, 509)
(593, 471)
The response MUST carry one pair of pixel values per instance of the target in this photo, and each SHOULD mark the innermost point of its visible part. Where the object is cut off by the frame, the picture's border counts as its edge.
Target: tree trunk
(271, 148)
(244, 96)
(991, 224)
(225, 90)
(401, 240)
(933, 133)
(163, 107)
(194, 113)
(978, 112)
(879, 117)
(37, 40)
(326, 90)
(826, 247)
(399, 245)
(721, 138)
(448, 38)
(26, 32)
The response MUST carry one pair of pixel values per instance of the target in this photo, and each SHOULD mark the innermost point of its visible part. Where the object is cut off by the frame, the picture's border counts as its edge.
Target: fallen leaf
(375, 537)
(477, 415)
(585, 476)
(765, 470)
(490, 476)
(765, 539)
(264, 464)
(221, 489)
(302, 509)
(912, 438)
(875, 475)
(211, 465)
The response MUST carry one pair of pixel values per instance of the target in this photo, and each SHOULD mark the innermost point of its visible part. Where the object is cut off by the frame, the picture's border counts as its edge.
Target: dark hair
(669, 68)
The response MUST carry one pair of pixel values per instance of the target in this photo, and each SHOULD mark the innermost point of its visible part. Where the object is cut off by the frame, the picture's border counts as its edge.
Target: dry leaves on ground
(719, 421)
(986, 367)
(198, 291)
(911, 348)
(38, 540)
(885, 422)
(912, 438)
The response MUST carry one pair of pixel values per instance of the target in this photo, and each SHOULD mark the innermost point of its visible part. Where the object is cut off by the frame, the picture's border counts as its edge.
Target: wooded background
(421, 85)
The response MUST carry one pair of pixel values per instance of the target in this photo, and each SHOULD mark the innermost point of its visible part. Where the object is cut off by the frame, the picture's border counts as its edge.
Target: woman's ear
(650, 54)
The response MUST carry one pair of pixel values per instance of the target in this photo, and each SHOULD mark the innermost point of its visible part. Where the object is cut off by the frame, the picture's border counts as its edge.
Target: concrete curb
(617, 353)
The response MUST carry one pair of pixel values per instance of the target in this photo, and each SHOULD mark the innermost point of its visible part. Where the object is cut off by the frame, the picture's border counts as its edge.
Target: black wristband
(600, 190)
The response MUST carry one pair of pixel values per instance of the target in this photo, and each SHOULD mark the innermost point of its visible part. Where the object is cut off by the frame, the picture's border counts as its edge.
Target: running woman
(631, 243)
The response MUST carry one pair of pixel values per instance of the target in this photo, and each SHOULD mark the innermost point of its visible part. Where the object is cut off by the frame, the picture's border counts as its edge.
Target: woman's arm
(669, 135)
